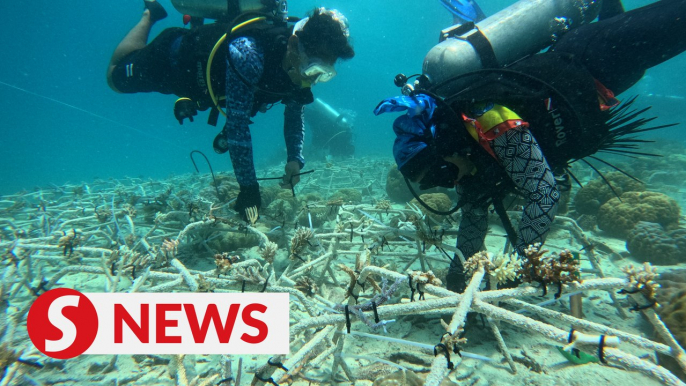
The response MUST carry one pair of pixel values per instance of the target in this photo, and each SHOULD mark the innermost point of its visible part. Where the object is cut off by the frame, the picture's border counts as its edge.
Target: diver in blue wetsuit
(517, 129)
(260, 65)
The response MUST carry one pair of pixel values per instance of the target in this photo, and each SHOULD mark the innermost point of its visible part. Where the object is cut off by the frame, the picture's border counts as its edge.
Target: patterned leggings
(521, 157)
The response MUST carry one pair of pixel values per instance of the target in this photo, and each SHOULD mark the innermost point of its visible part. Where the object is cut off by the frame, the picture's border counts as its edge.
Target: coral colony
(357, 267)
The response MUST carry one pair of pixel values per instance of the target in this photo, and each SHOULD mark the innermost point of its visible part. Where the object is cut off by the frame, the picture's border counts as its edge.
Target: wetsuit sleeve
(247, 59)
(294, 132)
(523, 160)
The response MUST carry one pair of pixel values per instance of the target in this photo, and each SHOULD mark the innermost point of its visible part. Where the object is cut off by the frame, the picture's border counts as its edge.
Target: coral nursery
(366, 279)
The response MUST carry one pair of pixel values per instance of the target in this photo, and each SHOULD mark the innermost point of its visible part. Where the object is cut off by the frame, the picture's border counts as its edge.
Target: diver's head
(318, 41)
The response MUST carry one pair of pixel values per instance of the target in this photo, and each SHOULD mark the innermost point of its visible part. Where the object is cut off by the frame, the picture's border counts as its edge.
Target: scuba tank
(522, 29)
(322, 112)
(227, 10)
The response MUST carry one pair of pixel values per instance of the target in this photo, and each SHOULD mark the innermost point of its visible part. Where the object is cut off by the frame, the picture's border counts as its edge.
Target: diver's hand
(291, 178)
(185, 108)
(247, 197)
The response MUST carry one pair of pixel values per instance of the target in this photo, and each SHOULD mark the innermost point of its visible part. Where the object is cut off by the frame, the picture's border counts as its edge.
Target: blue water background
(59, 51)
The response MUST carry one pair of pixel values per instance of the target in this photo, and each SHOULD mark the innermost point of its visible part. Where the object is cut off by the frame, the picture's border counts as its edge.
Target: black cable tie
(601, 350)
(570, 338)
(411, 289)
(266, 281)
(243, 287)
(559, 290)
(276, 364)
(545, 288)
(266, 380)
(629, 292)
(224, 380)
(347, 318)
(301, 259)
(376, 313)
(446, 352)
(636, 307)
(351, 232)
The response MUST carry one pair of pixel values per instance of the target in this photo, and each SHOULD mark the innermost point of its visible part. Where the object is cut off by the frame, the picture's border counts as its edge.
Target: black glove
(248, 196)
(185, 108)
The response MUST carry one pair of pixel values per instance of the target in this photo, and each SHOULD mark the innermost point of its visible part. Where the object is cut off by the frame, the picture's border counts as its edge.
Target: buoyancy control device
(522, 29)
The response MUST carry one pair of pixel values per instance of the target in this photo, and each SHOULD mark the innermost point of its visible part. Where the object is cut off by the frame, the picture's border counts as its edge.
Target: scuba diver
(332, 131)
(517, 128)
(262, 58)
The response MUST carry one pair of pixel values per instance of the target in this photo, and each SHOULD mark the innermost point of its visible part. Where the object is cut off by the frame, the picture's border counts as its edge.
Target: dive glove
(185, 108)
(248, 196)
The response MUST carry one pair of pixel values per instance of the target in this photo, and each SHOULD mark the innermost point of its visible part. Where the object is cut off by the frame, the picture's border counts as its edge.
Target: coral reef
(437, 201)
(349, 196)
(396, 189)
(617, 217)
(649, 241)
(373, 252)
(594, 194)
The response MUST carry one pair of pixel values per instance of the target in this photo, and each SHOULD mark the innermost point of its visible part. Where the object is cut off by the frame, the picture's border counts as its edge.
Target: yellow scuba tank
(522, 29)
(228, 9)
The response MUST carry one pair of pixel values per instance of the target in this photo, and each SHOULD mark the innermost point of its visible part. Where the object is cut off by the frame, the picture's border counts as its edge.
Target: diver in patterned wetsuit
(263, 66)
(507, 142)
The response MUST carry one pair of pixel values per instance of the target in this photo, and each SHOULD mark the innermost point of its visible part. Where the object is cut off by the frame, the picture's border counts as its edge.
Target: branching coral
(505, 268)
(268, 251)
(558, 269)
(306, 285)
(169, 248)
(129, 261)
(642, 280)
(420, 280)
(479, 259)
(300, 240)
(69, 241)
(224, 262)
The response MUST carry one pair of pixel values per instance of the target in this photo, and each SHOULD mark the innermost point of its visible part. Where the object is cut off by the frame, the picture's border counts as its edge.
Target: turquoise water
(60, 51)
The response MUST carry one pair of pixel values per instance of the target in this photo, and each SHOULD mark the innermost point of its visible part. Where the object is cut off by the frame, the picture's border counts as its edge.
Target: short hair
(325, 35)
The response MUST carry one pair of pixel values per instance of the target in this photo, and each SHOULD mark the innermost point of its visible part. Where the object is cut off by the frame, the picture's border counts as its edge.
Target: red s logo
(62, 323)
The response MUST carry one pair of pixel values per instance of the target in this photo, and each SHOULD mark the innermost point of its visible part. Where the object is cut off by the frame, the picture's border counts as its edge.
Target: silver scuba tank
(522, 29)
(228, 9)
(321, 113)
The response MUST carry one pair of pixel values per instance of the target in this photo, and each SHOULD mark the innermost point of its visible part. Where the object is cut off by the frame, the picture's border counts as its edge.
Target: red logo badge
(62, 323)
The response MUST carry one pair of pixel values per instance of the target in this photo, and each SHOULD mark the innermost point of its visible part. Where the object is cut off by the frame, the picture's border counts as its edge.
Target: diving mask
(315, 70)
(318, 72)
